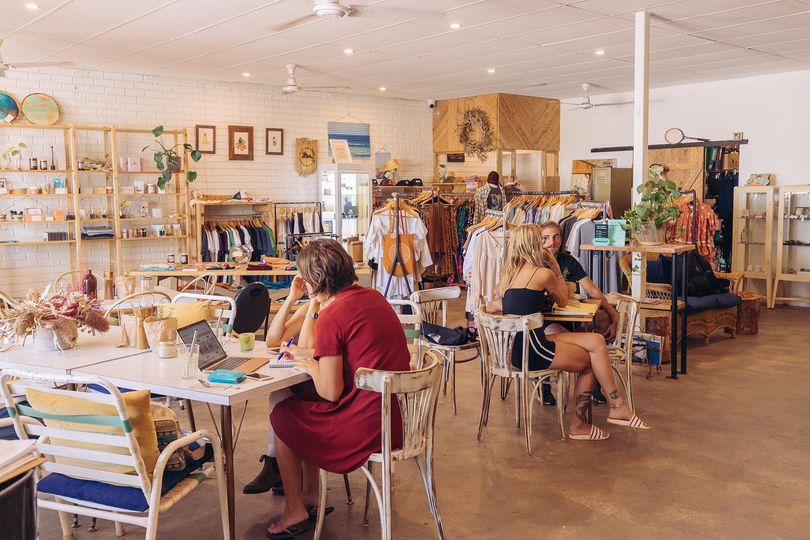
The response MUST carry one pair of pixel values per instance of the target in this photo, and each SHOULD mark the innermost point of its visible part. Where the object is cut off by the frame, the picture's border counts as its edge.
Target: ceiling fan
(585, 102)
(291, 87)
(333, 9)
(21, 65)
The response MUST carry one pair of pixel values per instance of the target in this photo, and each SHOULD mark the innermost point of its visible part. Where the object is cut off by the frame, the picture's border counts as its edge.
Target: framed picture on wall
(206, 139)
(275, 142)
(240, 143)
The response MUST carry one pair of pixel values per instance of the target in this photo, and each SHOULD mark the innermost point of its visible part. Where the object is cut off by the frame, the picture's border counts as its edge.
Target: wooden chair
(72, 279)
(417, 392)
(135, 300)
(621, 350)
(88, 487)
(497, 334)
(412, 325)
(433, 309)
(204, 284)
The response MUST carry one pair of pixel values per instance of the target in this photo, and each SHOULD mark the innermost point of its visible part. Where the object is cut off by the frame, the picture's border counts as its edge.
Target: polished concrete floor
(727, 458)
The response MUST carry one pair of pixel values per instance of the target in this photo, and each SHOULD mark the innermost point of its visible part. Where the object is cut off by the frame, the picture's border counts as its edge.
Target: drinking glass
(189, 358)
(247, 341)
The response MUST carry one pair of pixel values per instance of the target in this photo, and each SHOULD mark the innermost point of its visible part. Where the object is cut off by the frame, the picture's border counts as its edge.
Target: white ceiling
(537, 47)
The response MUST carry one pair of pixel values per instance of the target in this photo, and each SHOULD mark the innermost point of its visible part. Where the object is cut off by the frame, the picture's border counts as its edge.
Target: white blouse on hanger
(373, 249)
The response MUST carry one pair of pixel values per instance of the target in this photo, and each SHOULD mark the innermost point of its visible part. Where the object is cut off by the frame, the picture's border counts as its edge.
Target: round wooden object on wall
(9, 109)
(40, 109)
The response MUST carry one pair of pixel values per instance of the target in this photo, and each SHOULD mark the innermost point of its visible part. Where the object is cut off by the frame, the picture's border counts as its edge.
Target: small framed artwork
(240, 143)
(206, 139)
(275, 142)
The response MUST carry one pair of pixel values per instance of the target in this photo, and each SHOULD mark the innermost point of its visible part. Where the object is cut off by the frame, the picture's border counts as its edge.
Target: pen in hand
(281, 354)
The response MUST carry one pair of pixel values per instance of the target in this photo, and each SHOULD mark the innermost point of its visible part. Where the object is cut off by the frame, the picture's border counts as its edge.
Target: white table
(91, 350)
(147, 371)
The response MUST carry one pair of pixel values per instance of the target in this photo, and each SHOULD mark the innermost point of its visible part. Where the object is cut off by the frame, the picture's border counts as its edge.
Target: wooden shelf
(172, 194)
(168, 218)
(95, 194)
(37, 195)
(10, 222)
(180, 237)
(94, 171)
(150, 171)
(38, 171)
(37, 242)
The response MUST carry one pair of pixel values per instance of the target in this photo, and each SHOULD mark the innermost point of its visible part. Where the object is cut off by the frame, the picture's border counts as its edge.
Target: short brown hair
(549, 225)
(326, 266)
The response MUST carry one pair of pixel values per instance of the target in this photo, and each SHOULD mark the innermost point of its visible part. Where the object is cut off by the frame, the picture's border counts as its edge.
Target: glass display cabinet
(345, 192)
(753, 233)
(792, 240)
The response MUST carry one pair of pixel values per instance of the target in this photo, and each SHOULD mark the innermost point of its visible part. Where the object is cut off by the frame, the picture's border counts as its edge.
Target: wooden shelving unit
(792, 239)
(753, 242)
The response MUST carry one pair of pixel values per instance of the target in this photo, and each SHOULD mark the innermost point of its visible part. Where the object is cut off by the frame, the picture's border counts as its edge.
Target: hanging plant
(475, 133)
(167, 159)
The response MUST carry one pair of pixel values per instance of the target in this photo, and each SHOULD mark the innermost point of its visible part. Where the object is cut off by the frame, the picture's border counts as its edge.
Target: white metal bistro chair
(412, 325)
(88, 487)
(621, 350)
(223, 308)
(417, 392)
(497, 334)
(433, 309)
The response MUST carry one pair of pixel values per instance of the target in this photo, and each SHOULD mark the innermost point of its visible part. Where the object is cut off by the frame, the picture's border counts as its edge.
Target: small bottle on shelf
(90, 284)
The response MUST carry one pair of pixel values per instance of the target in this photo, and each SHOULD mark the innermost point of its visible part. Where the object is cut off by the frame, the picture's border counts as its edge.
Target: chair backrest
(412, 325)
(252, 308)
(497, 334)
(204, 284)
(6, 301)
(417, 392)
(433, 303)
(88, 438)
(71, 279)
(627, 307)
(228, 313)
(138, 299)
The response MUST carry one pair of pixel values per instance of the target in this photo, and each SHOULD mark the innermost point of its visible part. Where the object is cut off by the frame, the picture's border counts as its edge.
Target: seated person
(300, 325)
(531, 282)
(605, 320)
(337, 427)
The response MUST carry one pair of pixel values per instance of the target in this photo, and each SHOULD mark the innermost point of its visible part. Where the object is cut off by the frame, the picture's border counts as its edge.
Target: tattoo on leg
(583, 403)
(614, 394)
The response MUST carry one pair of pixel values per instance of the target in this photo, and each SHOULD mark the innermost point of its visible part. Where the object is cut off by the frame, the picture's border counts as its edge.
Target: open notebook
(575, 307)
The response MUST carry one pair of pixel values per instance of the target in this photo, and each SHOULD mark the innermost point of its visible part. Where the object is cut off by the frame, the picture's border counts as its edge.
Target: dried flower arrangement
(63, 312)
(475, 133)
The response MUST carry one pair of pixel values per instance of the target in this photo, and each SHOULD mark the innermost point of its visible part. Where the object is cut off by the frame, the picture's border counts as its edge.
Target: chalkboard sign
(600, 237)
(455, 158)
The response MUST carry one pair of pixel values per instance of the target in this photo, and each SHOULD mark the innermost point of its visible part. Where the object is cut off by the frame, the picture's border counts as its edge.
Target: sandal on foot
(290, 532)
(313, 512)
(635, 422)
(596, 434)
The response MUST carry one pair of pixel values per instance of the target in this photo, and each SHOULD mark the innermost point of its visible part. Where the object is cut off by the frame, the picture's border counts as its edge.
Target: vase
(174, 164)
(45, 339)
(650, 235)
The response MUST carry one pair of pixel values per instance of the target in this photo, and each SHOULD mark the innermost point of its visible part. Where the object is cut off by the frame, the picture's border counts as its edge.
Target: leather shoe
(269, 478)
(548, 398)
(599, 397)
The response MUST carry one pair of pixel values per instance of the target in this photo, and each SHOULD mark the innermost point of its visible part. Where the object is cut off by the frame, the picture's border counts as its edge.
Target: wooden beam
(641, 112)
(668, 146)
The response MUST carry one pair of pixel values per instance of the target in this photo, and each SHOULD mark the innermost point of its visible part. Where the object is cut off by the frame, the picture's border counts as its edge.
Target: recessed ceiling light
(455, 25)
(491, 70)
(348, 52)
(600, 52)
(32, 7)
(245, 74)
(383, 89)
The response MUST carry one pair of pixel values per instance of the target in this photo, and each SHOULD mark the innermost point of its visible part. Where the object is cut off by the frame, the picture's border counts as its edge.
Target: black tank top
(523, 301)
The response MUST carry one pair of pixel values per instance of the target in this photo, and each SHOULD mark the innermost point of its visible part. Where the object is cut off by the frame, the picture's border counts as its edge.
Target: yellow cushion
(186, 313)
(137, 406)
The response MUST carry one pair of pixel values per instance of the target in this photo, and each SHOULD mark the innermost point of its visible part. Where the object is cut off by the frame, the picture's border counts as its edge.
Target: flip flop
(635, 422)
(596, 434)
(290, 532)
(313, 512)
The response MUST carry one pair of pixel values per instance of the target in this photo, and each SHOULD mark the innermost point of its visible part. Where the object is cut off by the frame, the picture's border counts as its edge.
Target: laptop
(212, 355)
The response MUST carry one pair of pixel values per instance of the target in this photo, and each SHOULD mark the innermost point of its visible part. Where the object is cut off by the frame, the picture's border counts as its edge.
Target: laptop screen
(210, 349)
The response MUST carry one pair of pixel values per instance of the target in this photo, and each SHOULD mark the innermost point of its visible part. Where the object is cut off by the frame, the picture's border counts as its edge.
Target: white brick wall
(403, 127)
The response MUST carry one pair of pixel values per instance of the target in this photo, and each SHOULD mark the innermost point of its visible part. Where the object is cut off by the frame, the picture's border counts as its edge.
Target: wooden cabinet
(753, 239)
(792, 240)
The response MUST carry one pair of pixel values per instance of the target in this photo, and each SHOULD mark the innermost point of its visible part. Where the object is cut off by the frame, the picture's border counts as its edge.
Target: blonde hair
(525, 247)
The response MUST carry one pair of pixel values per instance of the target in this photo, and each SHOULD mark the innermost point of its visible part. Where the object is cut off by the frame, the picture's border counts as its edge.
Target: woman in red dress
(338, 427)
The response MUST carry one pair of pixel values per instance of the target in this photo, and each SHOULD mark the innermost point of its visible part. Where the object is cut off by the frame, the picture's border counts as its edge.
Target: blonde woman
(531, 282)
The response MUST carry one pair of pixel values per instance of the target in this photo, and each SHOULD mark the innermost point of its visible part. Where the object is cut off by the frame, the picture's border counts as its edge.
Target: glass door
(354, 195)
(329, 195)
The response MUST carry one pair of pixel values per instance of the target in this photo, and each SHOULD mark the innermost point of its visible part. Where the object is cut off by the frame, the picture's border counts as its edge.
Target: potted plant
(168, 160)
(54, 320)
(10, 153)
(647, 219)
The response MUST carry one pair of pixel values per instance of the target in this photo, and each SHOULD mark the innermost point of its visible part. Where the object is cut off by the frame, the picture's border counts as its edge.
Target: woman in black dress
(531, 282)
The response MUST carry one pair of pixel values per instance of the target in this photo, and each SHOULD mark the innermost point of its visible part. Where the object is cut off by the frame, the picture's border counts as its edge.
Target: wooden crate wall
(686, 166)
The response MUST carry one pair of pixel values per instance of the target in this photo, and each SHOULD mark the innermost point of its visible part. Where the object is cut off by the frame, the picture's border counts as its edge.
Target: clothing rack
(316, 204)
(234, 217)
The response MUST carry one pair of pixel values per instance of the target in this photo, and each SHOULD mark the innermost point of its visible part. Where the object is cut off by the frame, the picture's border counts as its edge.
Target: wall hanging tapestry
(475, 133)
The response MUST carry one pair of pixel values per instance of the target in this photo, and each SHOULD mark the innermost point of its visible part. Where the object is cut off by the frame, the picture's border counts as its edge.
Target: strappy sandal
(290, 532)
(596, 434)
(635, 422)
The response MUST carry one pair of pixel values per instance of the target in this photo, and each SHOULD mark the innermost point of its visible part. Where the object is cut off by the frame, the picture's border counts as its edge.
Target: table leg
(226, 428)
(684, 258)
(673, 331)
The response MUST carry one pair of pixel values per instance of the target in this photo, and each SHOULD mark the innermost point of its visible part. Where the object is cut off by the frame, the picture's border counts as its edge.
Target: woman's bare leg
(290, 466)
(576, 351)
(311, 484)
